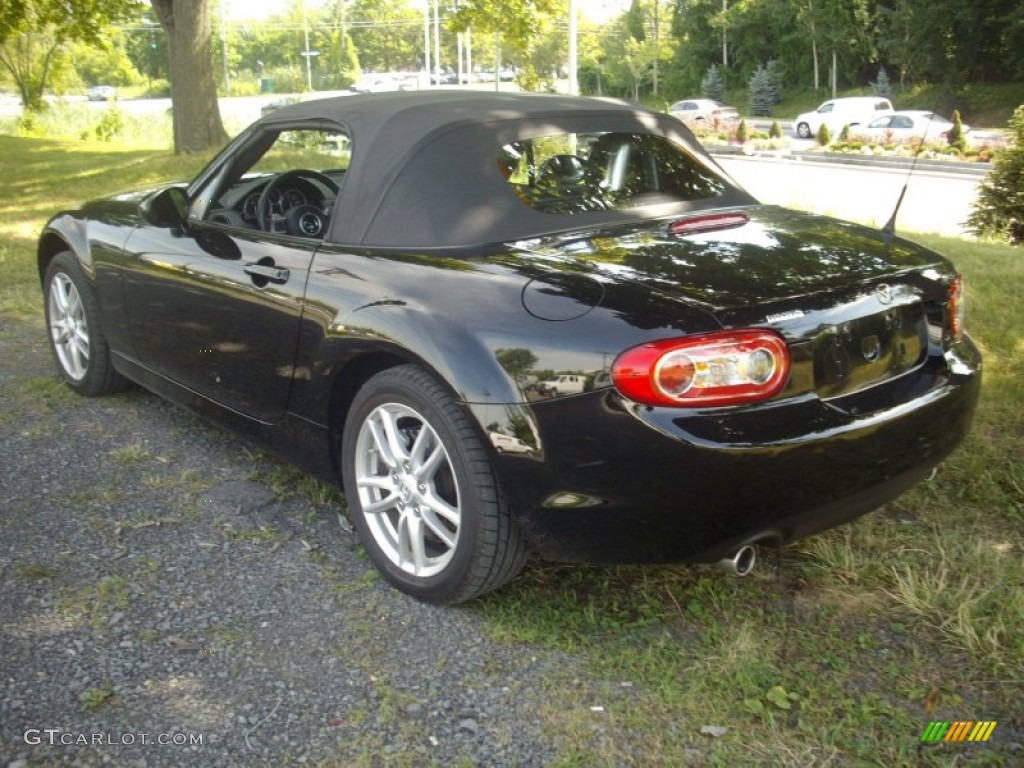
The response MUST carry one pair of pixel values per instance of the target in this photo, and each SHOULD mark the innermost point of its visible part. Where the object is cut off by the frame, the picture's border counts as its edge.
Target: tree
(999, 209)
(195, 113)
(713, 86)
(515, 21)
(764, 89)
(516, 361)
(34, 34)
(390, 35)
(881, 86)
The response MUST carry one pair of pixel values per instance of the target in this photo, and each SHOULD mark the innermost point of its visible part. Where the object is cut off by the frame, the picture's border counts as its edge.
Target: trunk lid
(856, 307)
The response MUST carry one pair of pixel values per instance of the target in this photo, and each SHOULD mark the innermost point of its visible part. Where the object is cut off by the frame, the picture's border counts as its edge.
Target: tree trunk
(196, 116)
(835, 74)
(725, 41)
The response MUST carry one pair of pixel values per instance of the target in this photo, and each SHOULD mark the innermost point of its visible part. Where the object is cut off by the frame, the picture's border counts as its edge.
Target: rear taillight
(955, 307)
(710, 369)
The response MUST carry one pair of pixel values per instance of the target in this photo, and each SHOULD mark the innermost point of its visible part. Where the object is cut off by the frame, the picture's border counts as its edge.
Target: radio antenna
(890, 226)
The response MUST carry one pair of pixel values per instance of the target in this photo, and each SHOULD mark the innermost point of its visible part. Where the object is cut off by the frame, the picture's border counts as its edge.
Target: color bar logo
(960, 730)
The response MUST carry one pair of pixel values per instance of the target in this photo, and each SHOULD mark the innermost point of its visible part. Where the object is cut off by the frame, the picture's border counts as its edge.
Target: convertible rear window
(578, 172)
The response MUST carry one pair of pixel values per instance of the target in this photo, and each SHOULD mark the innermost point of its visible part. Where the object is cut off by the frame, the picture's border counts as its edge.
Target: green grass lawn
(838, 650)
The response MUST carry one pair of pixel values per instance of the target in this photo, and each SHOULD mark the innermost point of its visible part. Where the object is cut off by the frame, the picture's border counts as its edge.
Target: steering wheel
(301, 220)
(561, 169)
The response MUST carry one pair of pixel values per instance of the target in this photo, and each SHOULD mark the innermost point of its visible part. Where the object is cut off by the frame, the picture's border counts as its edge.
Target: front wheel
(423, 493)
(73, 323)
(803, 130)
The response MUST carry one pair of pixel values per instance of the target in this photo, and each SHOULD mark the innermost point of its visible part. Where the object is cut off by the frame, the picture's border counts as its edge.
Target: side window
(289, 188)
(825, 108)
(901, 121)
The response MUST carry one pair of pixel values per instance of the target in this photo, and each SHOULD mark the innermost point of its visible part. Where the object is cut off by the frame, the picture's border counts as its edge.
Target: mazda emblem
(871, 347)
(884, 293)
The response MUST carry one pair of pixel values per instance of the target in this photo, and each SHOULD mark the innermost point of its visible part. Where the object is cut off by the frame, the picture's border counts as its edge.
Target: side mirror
(166, 208)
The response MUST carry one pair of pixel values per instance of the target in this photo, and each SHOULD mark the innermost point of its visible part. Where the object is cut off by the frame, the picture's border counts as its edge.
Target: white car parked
(854, 111)
(697, 112)
(910, 124)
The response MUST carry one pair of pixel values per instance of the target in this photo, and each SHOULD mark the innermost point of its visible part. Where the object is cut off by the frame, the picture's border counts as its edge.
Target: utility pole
(437, 43)
(426, 41)
(657, 49)
(458, 48)
(342, 36)
(574, 84)
(308, 54)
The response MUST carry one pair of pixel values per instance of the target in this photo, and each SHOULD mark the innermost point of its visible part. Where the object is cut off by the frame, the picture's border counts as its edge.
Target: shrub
(823, 136)
(28, 124)
(845, 134)
(742, 133)
(955, 135)
(999, 208)
(775, 132)
(158, 89)
(110, 125)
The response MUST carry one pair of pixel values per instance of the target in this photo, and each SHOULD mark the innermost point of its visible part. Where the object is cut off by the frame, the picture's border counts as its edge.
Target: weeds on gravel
(285, 480)
(133, 453)
(95, 604)
(95, 697)
(35, 572)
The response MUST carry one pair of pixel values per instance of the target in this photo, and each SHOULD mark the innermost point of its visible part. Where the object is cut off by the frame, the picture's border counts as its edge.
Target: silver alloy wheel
(68, 327)
(407, 490)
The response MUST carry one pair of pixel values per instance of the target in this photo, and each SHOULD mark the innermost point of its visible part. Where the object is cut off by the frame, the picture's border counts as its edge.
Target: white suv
(835, 113)
(566, 384)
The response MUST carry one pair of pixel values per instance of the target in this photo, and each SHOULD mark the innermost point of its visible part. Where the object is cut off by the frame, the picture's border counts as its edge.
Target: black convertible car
(518, 322)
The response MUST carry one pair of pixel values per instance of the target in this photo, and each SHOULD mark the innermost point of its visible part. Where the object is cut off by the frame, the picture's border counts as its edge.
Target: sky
(597, 10)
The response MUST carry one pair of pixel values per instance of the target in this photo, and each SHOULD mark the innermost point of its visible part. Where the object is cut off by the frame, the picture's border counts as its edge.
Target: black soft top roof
(423, 171)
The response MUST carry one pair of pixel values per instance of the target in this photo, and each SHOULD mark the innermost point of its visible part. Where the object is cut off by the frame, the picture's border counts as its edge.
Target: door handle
(267, 272)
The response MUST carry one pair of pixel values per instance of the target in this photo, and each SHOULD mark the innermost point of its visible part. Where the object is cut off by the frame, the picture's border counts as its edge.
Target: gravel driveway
(170, 598)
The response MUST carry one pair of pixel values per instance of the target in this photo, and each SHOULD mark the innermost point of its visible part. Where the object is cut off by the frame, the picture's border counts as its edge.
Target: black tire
(77, 343)
(416, 480)
(803, 130)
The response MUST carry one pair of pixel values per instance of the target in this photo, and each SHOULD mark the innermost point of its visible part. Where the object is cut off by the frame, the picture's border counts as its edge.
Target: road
(936, 202)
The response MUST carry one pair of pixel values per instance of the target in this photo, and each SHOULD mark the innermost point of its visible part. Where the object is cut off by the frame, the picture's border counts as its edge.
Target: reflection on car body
(380, 287)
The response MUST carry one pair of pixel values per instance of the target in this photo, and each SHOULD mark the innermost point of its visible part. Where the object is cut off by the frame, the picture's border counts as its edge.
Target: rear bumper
(620, 483)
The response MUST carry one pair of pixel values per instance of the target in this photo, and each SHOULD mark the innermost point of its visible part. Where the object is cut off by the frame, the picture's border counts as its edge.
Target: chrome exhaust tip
(741, 563)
